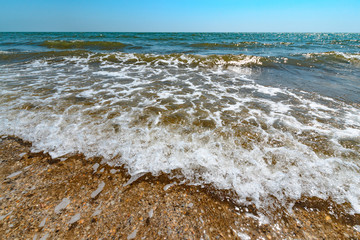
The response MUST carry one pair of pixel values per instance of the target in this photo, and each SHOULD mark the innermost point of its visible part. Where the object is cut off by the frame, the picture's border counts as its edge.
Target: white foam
(46, 235)
(14, 174)
(97, 211)
(74, 218)
(151, 213)
(167, 186)
(105, 112)
(134, 177)
(242, 236)
(42, 223)
(62, 205)
(261, 218)
(111, 74)
(95, 167)
(268, 90)
(132, 235)
(98, 190)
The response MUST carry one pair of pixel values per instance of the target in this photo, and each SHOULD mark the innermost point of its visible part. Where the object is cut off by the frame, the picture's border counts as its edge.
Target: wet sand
(77, 198)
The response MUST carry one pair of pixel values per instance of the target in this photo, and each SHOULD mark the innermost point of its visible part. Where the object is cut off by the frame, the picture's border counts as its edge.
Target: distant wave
(345, 41)
(99, 45)
(168, 39)
(187, 60)
(178, 59)
(127, 36)
(245, 44)
(48, 56)
(332, 57)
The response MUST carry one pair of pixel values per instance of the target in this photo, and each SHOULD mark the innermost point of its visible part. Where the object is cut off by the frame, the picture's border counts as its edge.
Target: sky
(180, 15)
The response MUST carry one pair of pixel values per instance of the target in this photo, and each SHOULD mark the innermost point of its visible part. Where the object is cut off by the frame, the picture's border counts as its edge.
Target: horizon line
(172, 32)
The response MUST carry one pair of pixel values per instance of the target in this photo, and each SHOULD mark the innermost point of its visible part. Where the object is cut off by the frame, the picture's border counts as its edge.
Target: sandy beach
(180, 120)
(77, 198)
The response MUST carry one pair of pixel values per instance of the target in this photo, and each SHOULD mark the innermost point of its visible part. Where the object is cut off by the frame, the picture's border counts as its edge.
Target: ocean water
(272, 117)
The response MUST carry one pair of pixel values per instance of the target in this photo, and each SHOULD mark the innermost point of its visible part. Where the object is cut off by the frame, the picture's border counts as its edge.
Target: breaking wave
(186, 60)
(150, 114)
(98, 45)
(245, 44)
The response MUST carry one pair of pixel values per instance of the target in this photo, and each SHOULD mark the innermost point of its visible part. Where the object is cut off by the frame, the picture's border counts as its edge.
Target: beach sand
(77, 198)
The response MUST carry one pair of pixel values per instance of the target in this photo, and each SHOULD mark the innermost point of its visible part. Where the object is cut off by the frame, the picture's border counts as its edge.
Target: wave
(187, 60)
(10, 57)
(246, 44)
(346, 41)
(128, 36)
(168, 39)
(181, 60)
(332, 57)
(262, 142)
(216, 127)
(98, 45)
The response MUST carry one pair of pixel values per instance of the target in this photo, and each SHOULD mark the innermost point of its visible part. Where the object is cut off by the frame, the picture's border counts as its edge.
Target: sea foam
(214, 126)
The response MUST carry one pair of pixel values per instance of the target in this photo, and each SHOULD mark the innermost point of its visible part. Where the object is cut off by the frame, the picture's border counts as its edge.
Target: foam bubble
(211, 124)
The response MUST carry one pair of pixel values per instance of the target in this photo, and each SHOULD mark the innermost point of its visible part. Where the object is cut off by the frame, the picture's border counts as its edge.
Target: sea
(270, 117)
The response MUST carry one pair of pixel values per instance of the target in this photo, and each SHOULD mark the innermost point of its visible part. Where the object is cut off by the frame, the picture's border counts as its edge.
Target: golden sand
(78, 198)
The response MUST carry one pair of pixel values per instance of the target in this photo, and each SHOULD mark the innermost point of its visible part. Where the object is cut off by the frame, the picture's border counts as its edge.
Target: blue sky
(181, 15)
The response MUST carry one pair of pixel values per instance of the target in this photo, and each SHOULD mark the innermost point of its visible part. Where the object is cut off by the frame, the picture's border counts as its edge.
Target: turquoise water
(273, 117)
(259, 44)
(327, 63)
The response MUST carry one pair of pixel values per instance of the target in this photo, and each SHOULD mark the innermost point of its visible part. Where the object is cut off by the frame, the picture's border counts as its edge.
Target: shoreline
(74, 197)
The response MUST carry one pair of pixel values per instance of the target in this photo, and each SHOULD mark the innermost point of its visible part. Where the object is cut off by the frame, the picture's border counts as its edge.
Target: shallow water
(265, 115)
